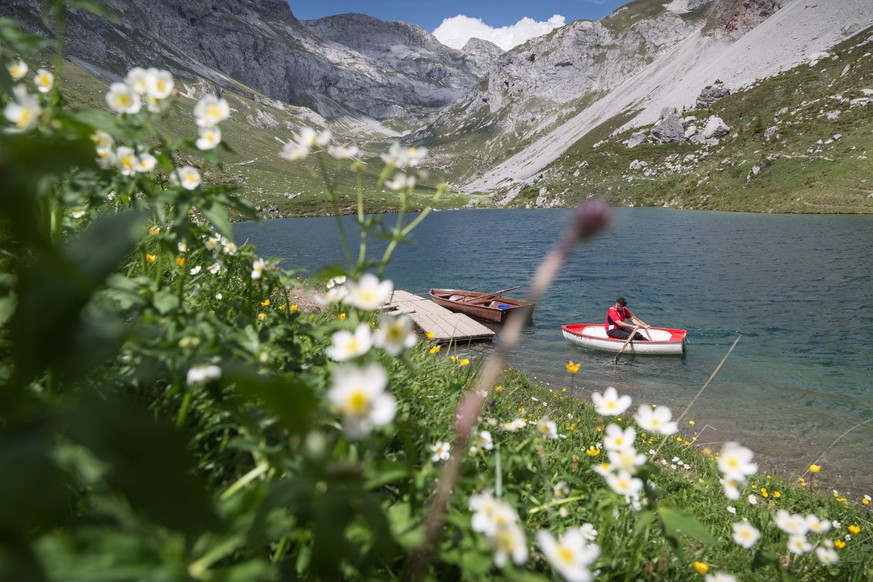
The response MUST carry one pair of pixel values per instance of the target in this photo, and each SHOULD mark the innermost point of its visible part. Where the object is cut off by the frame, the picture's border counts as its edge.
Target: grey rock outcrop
(715, 128)
(711, 94)
(668, 129)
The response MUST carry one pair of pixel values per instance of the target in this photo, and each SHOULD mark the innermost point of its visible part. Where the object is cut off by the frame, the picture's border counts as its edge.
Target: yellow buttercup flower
(839, 544)
(155, 230)
(429, 335)
(180, 261)
(294, 307)
(573, 367)
(342, 316)
(464, 362)
(282, 307)
(764, 492)
(435, 350)
(814, 468)
(854, 529)
(592, 451)
(151, 258)
(498, 388)
(701, 567)
(777, 495)
(262, 316)
(454, 359)
(265, 302)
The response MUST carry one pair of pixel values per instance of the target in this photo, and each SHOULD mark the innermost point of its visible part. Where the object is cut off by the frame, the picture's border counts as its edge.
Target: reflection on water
(796, 288)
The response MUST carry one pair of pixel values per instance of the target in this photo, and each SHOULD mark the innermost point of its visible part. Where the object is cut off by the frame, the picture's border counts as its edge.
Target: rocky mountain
(493, 119)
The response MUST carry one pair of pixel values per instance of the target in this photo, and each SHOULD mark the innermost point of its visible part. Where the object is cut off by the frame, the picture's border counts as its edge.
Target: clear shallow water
(798, 289)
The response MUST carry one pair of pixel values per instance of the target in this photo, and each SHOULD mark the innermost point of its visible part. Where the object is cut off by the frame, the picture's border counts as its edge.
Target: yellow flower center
(358, 403)
(565, 554)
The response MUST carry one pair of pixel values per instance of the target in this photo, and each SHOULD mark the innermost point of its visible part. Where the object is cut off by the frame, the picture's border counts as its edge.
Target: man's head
(621, 302)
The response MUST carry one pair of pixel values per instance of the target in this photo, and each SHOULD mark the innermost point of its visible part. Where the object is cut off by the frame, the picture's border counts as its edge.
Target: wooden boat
(486, 306)
(664, 340)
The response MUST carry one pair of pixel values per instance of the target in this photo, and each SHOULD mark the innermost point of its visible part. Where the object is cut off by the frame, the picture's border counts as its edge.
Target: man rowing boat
(617, 318)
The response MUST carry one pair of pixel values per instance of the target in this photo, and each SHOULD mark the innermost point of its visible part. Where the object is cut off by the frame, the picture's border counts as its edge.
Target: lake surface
(797, 289)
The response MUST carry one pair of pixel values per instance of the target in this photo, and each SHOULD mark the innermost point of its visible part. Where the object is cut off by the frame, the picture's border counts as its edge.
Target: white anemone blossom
(122, 99)
(610, 403)
(735, 462)
(208, 138)
(358, 396)
(827, 556)
(395, 334)
(616, 439)
(571, 554)
(44, 80)
(792, 523)
(401, 157)
(368, 293)
(258, 268)
(188, 177)
(442, 451)
(342, 152)
(483, 440)
(657, 420)
(745, 534)
(346, 345)
(203, 374)
(625, 484)
(626, 459)
(547, 428)
(22, 111)
(17, 69)
(211, 110)
(798, 544)
(497, 520)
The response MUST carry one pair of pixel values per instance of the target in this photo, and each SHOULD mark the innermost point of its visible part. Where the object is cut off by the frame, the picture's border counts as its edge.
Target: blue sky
(429, 14)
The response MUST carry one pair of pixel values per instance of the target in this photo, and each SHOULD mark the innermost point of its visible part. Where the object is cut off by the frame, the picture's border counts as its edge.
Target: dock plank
(444, 324)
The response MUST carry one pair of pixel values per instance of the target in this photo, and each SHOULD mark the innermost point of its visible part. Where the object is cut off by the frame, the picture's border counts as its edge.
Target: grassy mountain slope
(818, 162)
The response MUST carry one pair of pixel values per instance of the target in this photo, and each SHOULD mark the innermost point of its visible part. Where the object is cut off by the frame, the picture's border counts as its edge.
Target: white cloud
(457, 30)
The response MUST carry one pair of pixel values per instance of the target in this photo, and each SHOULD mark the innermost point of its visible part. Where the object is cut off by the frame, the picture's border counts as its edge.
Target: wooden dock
(445, 325)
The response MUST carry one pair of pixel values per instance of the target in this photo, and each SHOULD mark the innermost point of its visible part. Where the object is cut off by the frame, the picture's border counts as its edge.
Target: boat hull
(665, 341)
(490, 308)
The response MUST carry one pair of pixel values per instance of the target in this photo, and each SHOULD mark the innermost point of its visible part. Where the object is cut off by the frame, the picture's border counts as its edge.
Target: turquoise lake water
(798, 290)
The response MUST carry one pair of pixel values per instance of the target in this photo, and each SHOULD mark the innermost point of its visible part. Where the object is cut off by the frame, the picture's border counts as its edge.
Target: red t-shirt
(616, 315)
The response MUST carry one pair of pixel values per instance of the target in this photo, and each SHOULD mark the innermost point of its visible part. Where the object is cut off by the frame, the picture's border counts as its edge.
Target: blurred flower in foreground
(358, 396)
(395, 334)
(203, 374)
(570, 555)
(610, 403)
(368, 293)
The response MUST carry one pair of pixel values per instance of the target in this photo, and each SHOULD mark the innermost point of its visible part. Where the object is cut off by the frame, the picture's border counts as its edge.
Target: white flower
(137, 80)
(401, 182)
(745, 534)
(610, 403)
(615, 439)
(210, 111)
(369, 293)
(547, 428)
(720, 577)
(17, 69)
(517, 424)
(817, 525)
(334, 281)
(258, 268)
(570, 555)
(214, 268)
(358, 396)
(212, 243)
(122, 99)
(77, 214)
(836, 524)
(791, 523)
(294, 151)
(588, 532)
(187, 176)
(752, 499)
(195, 270)
(735, 462)
(625, 484)
(602, 469)
(731, 509)
(401, 157)
(343, 152)
(209, 137)
(126, 160)
(203, 374)
(347, 346)
(490, 515)
(159, 84)
(22, 111)
(561, 490)
(731, 490)
(103, 142)
(656, 420)
(483, 440)
(219, 296)
(509, 542)
(395, 334)
(442, 451)
(626, 459)
(797, 544)
(827, 556)
(44, 80)
(145, 162)
(182, 247)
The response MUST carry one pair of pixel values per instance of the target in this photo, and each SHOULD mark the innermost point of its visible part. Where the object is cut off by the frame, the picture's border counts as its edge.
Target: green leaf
(218, 217)
(676, 522)
(165, 302)
(290, 399)
(149, 461)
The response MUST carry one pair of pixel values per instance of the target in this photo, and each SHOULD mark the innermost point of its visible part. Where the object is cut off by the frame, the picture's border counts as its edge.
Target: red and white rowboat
(664, 340)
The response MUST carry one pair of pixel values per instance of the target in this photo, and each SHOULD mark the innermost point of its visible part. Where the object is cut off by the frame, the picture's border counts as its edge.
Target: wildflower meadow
(168, 413)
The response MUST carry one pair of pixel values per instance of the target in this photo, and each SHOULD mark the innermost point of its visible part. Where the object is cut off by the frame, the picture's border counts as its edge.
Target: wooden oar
(626, 342)
(489, 296)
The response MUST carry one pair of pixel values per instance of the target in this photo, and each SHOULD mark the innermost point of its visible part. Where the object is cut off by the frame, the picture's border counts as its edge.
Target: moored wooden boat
(486, 306)
(664, 340)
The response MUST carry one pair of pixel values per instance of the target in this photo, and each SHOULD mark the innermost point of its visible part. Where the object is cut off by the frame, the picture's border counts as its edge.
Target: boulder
(636, 139)
(668, 129)
(715, 128)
